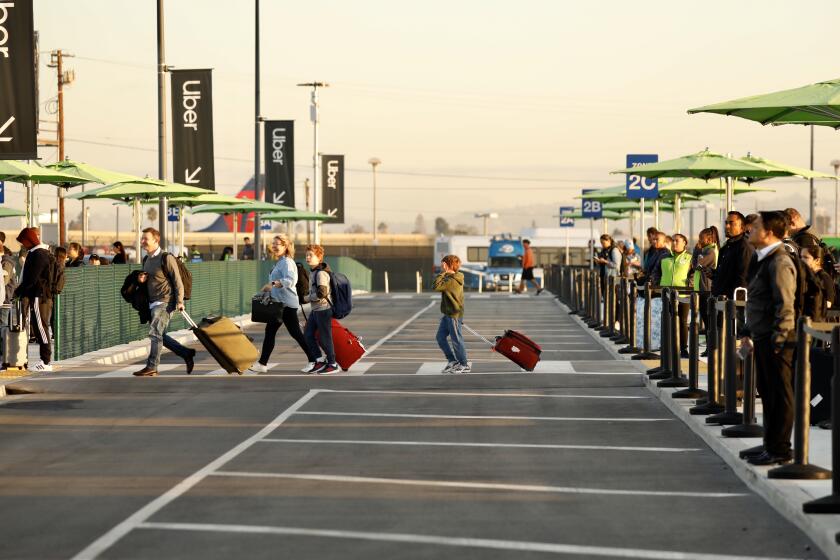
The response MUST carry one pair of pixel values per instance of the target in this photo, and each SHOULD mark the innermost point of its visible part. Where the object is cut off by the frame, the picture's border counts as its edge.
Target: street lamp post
(313, 116)
(374, 162)
(836, 164)
(486, 216)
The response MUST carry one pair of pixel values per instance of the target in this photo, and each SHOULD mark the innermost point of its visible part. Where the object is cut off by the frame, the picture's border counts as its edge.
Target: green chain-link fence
(91, 314)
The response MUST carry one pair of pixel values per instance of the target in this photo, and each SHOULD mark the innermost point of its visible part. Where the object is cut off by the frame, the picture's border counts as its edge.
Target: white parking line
(471, 417)
(480, 485)
(135, 520)
(481, 444)
(460, 542)
(504, 395)
(397, 330)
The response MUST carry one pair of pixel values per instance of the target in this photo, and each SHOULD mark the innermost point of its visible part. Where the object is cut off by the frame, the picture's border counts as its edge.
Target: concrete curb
(786, 497)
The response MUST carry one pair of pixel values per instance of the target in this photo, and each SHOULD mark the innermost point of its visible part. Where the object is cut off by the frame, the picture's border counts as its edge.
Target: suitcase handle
(478, 335)
(189, 319)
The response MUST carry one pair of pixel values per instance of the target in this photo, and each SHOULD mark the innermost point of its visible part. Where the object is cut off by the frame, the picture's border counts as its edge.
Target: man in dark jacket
(800, 232)
(769, 331)
(35, 292)
(734, 258)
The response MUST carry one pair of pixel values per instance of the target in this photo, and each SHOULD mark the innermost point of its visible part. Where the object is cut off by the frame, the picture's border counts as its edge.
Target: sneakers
(539, 291)
(449, 366)
(41, 366)
(258, 368)
(312, 367)
(462, 368)
(327, 369)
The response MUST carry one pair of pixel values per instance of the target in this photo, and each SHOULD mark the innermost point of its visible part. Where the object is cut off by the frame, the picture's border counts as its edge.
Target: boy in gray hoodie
(450, 283)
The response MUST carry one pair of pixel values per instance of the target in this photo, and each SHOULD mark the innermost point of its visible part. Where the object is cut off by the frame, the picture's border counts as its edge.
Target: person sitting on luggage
(281, 283)
(166, 294)
(320, 318)
(35, 293)
(450, 284)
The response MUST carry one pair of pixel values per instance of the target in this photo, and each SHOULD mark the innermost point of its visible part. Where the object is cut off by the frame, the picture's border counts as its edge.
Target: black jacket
(35, 282)
(653, 265)
(137, 295)
(78, 261)
(733, 265)
(771, 298)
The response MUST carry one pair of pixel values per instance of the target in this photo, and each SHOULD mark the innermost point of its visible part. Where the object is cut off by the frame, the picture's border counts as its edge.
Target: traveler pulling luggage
(226, 342)
(516, 347)
(15, 339)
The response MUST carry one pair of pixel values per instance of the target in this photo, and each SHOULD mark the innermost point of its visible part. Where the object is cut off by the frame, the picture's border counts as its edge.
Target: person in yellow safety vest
(675, 273)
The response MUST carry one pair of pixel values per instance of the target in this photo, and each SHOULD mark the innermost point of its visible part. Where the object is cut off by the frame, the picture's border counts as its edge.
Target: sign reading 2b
(641, 187)
(591, 208)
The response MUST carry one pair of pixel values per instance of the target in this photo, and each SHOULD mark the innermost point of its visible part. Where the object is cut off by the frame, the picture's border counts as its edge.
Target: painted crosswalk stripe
(479, 417)
(557, 446)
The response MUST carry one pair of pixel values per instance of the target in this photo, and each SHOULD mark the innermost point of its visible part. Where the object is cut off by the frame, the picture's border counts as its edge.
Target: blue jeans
(320, 322)
(450, 331)
(157, 334)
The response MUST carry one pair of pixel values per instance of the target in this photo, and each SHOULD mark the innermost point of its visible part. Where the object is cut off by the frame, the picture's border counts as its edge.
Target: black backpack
(808, 295)
(302, 286)
(183, 271)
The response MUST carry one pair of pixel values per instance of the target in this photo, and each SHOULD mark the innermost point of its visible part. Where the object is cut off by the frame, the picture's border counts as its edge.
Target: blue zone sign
(591, 208)
(173, 213)
(641, 187)
(566, 221)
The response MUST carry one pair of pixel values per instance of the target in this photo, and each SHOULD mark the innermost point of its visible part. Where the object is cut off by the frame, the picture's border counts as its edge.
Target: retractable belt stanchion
(730, 414)
(646, 353)
(692, 391)
(676, 379)
(831, 503)
(748, 428)
(663, 370)
(620, 336)
(594, 300)
(631, 348)
(608, 327)
(800, 469)
(711, 404)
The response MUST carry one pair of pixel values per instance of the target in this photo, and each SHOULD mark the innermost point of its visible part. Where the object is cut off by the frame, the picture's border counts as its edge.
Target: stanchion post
(831, 503)
(631, 321)
(676, 379)
(730, 414)
(607, 328)
(711, 405)
(692, 391)
(663, 371)
(620, 294)
(748, 427)
(800, 469)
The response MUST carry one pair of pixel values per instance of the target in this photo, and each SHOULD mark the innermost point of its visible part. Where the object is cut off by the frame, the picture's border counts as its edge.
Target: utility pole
(313, 116)
(258, 188)
(374, 162)
(812, 215)
(63, 78)
(308, 229)
(161, 79)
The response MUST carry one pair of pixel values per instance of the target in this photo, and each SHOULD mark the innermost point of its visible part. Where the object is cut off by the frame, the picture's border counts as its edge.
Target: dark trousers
(774, 377)
(683, 314)
(290, 319)
(320, 322)
(38, 312)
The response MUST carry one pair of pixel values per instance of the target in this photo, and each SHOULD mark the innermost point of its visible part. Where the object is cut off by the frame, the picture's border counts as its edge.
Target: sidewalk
(786, 496)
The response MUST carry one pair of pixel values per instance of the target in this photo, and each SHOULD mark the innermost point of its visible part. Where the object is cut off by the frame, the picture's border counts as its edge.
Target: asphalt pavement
(389, 460)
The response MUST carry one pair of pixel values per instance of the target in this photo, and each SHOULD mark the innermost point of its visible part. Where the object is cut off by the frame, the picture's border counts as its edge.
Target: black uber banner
(332, 188)
(280, 162)
(192, 128)
(18, 129)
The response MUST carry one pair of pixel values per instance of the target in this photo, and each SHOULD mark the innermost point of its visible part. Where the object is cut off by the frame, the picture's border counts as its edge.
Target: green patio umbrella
(28, 173)
(296, 216)
(137, 190)
(814, 104)
(704, 165)
(607, 214)
(11, 212)
(682, 190)
(245, 206)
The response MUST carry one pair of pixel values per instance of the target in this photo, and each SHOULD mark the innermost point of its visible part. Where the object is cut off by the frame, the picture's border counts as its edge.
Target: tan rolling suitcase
(226, 342)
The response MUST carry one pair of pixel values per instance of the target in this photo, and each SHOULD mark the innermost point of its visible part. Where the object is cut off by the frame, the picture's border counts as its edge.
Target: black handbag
(264, 309)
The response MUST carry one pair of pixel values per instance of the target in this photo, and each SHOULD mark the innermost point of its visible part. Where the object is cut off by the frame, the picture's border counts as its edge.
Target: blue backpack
(341, 298)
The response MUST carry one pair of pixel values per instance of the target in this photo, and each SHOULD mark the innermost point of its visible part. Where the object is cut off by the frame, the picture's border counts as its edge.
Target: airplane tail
(246, 223)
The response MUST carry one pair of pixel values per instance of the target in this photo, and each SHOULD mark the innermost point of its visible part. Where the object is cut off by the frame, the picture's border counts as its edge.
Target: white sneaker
(258, 368)
(41, 366)
(462, 368)
(449, 366)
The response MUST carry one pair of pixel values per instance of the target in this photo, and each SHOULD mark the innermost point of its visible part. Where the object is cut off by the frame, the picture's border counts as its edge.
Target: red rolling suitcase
(516, 347)
(348, 347)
